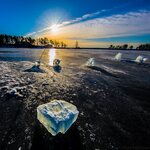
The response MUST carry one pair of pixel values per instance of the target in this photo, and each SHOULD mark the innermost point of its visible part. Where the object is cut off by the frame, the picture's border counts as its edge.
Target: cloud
(65, 23)
(91, 26)
(78, 20)
(131, 23)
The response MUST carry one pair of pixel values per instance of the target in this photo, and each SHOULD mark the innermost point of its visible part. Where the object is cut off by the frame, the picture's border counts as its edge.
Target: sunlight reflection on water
(52, 56)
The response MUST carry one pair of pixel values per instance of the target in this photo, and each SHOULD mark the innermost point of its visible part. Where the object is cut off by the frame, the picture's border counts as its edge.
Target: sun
(55, 28)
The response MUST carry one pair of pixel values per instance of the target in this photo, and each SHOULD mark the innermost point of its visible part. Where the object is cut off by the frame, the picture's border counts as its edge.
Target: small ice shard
(56, 62)
(118, 57)
(37, 64)
(145, 59)
(140, 59)
(90, 62)
(56, 65)
(57, 116)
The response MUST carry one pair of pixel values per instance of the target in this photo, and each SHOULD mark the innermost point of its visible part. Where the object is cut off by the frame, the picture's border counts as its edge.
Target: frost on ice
(57, 116)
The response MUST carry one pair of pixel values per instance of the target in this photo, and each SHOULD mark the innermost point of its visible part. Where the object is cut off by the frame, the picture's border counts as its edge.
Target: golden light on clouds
(91, 32)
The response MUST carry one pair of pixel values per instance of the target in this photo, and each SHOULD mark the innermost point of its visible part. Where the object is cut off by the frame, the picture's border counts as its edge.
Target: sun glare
(55, 28)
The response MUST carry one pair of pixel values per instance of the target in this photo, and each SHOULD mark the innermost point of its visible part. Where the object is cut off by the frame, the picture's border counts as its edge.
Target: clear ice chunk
(57, 116)
(118, 56)
(90, 62)
(140, 59)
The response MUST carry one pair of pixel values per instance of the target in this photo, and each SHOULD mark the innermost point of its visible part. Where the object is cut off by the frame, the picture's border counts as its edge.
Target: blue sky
(127, 20)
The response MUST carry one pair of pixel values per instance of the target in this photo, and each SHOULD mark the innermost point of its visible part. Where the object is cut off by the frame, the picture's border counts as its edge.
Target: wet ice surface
(57, 116)
(112, 98)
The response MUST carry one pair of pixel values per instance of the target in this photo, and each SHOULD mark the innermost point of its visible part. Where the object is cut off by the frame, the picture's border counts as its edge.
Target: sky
(94, 23)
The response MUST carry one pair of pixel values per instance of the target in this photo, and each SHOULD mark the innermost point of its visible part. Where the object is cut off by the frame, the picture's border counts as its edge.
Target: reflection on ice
(57, 116)
(52, 56)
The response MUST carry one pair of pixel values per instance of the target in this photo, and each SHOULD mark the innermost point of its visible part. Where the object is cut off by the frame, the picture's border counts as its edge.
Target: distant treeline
(126, 46)
(20, 41)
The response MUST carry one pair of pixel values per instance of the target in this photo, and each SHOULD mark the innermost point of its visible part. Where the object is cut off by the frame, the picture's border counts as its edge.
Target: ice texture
(57, 116)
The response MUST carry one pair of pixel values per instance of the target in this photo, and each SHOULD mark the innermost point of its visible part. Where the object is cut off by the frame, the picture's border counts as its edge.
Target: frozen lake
(112, 99)
(67, 56)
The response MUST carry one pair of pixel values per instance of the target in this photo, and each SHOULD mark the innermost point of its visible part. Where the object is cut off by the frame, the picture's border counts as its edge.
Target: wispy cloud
(92, 26)
(66, 23)
(131, 23)
(85, 17)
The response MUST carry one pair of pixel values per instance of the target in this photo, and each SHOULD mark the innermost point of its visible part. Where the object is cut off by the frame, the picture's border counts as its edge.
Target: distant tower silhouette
(76, 44)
